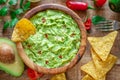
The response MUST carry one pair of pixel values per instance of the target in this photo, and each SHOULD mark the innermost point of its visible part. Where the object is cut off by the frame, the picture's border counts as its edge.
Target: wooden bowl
(78, 56)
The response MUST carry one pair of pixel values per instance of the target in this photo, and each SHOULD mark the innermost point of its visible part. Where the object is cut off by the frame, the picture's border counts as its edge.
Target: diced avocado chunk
(17, 67)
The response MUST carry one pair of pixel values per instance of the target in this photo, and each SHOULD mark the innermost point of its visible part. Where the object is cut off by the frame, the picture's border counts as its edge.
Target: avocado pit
(6, 53)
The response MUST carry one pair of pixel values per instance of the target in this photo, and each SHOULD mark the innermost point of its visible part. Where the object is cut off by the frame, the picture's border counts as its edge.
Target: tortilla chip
(103, 66)
(91, 70)
(88, 77)
(103, 45)
(59, 77)
(23, 29)
(103, 78)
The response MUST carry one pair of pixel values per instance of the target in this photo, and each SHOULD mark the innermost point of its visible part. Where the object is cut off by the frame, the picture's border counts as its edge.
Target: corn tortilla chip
(88, 77)
(59, 77)
(103, 45)
(23, 29)
(91, 70)
(103, 66)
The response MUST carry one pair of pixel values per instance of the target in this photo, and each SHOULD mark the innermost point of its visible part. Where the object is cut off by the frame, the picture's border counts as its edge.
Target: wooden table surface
(75, 73)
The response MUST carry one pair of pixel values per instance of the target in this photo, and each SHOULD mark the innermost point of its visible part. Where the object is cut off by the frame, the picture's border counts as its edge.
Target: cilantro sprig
(15, 13)
(2, 1)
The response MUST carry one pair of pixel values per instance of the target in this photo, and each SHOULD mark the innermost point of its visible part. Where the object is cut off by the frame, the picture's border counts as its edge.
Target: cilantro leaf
(13, 2)
(6, 25)
(26, 6)
(13, 14)
(13, 22)
(3, 11)
(2, 1)
(21, 3)
(18, 11)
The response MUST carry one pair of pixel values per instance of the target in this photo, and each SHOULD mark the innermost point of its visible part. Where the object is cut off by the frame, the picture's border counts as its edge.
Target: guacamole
(57, 39)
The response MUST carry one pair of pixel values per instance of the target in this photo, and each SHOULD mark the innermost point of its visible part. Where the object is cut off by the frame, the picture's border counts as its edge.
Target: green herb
(13, 14)
(3, 11)
(6, 25)
(18, 11)
(8, 9)
(13, 22)
(21, 3)
(96, 19)
(13, 2)
(2, 1)
(26, 6)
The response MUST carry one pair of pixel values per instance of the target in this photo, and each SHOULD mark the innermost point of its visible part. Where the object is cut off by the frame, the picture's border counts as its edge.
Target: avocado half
(17, 67)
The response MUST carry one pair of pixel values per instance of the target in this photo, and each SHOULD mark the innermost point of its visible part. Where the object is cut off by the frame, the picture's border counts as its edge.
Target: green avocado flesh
(57, 39)
(17, 67)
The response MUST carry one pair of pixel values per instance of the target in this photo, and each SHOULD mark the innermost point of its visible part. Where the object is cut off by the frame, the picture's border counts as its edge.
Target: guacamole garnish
(57, 39)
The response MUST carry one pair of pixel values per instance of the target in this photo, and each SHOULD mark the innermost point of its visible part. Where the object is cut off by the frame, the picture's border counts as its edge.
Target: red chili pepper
(88, 24)
(75, 5)
(99, 3)
(33, 75)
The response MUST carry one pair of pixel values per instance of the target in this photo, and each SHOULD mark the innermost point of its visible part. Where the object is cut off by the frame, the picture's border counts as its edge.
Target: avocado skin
(17, 67)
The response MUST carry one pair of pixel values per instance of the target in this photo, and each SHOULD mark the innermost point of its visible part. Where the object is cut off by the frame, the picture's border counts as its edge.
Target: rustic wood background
(75, 73)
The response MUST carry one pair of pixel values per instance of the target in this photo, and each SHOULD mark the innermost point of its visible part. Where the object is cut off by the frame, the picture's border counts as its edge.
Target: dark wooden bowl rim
(44, 70)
